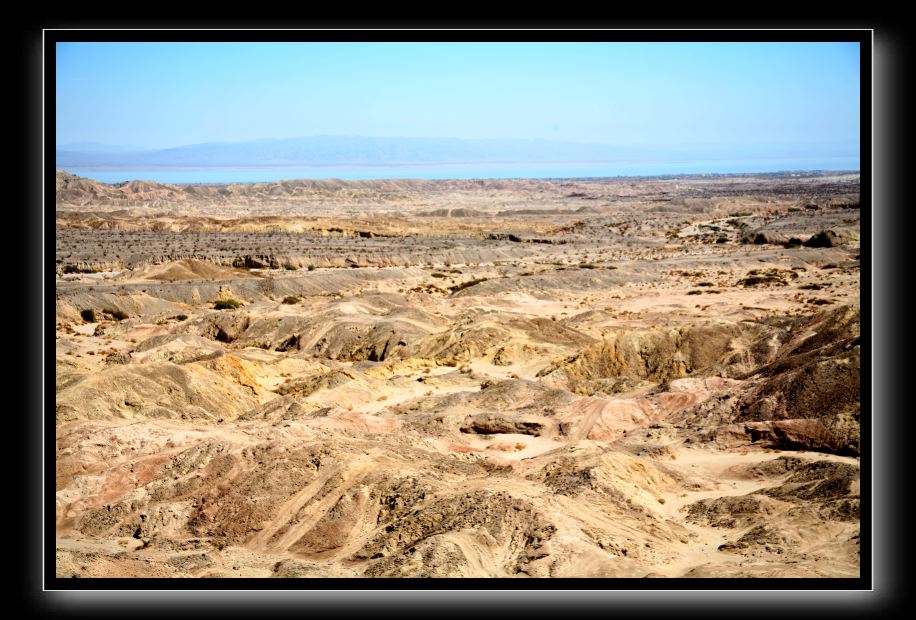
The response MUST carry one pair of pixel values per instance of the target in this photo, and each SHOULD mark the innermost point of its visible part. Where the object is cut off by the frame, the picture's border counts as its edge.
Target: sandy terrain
(601, 378)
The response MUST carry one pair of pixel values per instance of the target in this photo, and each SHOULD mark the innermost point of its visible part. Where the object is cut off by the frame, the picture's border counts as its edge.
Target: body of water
(482, 171)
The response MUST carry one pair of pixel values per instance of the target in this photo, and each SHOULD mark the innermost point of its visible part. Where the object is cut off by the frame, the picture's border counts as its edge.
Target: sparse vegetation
(88, 315)
(226, 304)
(117, 315)
(468, 284)
(75, 269)
(290, 267)
(291, 299)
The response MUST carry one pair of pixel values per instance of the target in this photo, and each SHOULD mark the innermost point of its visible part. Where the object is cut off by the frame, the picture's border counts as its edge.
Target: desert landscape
(622, 377)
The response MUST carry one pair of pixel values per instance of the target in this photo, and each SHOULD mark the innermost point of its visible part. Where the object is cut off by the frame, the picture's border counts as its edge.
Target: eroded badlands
(607, 378)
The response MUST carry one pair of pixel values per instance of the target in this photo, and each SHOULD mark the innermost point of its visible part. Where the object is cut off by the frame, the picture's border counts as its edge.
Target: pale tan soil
(626, 418)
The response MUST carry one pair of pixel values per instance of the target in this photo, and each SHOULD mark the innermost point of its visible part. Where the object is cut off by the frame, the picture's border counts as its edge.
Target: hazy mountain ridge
(343, 150)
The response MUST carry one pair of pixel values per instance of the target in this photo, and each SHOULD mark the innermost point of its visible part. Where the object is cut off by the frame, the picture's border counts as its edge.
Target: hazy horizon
(700, 100)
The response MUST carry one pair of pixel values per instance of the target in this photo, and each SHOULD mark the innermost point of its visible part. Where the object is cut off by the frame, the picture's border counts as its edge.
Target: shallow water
(489, 171)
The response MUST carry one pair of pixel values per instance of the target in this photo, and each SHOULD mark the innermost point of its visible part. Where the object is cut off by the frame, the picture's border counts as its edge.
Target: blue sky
(773, 99)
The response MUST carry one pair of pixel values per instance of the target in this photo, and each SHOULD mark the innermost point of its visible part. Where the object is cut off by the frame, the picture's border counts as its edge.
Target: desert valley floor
(653, 377)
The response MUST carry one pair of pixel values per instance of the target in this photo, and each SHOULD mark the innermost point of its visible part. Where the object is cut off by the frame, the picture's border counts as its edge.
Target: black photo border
(880, 583)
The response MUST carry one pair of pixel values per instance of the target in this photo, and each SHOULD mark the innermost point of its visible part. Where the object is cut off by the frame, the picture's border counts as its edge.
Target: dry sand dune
(619, 378)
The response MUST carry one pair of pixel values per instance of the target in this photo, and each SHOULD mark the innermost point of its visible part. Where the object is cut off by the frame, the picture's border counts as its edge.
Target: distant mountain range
(342, 150)
(365, 151)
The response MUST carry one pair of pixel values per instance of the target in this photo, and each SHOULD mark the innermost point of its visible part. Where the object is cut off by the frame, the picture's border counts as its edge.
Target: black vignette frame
(888, 259)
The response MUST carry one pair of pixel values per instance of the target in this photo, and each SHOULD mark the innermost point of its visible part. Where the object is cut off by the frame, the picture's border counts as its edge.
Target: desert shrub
(290, 267)
(115, 314)
(311, 267)
(292, 299)
(75, 269)
(438, 275)
(754, 280)
(88, 315)
(180, 317)
(464, 285)
(226, 304)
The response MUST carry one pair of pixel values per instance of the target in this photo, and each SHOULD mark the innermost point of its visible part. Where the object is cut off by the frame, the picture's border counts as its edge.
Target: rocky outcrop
(490, 424)
(823, 239)
(654, 356)
(227, 327)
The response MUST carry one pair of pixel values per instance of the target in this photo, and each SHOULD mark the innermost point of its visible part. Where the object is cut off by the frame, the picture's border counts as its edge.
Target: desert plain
(628, 377)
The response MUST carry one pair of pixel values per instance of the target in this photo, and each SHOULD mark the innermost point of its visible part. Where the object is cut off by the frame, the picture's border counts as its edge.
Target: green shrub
(290, 267)
(88, 315)
(292, 299)
(226, 304)
(311, 266)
